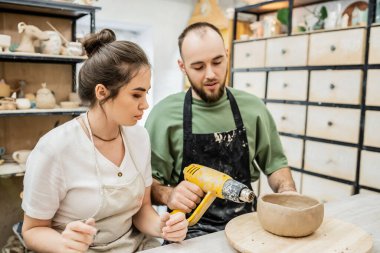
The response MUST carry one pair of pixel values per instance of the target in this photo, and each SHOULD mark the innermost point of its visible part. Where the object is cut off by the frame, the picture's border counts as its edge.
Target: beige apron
(116, 233)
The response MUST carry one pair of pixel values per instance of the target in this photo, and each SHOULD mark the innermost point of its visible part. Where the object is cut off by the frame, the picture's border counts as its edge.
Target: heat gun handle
(200, 210)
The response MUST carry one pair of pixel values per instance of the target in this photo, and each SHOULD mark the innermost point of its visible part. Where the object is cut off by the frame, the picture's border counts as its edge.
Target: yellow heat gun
(215, 184)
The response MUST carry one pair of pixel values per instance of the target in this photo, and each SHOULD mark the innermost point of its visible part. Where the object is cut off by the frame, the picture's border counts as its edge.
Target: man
(218, 127)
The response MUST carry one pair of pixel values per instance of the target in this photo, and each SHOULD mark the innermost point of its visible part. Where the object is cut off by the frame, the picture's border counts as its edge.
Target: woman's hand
(78, 236)
(174, 227)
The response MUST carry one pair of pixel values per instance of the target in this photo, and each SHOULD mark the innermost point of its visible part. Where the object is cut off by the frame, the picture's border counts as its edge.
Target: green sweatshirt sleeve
(270, 156)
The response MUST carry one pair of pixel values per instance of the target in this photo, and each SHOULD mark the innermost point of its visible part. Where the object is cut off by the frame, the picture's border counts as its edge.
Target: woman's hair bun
(97, 40)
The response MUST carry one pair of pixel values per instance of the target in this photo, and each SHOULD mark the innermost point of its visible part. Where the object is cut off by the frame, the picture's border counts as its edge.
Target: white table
(361, 210)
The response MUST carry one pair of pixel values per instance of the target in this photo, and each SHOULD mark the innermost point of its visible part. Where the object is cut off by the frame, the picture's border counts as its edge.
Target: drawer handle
(283, 118)
(332, 86)
(285, 85)
(332, 48)
(329, 123)
(283, 51)
(248, 85)
(247, 55)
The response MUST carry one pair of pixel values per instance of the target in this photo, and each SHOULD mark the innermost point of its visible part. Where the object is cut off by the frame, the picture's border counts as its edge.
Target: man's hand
(185, 197)
(78, 236)
(174, 227)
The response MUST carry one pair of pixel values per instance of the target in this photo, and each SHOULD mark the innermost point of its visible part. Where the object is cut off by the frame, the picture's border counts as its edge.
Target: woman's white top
(60, 182)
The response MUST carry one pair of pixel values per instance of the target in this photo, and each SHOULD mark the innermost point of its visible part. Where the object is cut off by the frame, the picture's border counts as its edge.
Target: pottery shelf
(322, 90)
(274, 5)
(41, 58)
(56, 111)
(47, 8)
(12, 169)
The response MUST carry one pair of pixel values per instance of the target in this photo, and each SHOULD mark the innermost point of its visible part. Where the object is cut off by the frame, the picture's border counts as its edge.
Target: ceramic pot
(289, 215)
(5, 90)
(45, 98)
(7, 104)
(23, 103)
(21, 156)
(5, 42)
(52, 45)
(74, 49)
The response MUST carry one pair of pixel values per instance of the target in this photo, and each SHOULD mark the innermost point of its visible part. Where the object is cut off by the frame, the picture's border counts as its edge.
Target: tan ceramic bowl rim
(264, 197)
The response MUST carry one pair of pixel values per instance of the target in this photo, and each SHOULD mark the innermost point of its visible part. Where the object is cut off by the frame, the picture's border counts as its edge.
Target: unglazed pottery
(30, 33)
(52, 45)
(5, 90)
(289, 215)
(45, 98)
(5, 42)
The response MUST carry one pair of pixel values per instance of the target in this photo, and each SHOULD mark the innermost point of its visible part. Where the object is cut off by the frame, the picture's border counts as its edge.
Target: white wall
(165, 19)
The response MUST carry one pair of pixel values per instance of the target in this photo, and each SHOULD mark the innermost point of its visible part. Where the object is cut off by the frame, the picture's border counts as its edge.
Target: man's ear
(227, 52)
(101, 92)
(181, 65)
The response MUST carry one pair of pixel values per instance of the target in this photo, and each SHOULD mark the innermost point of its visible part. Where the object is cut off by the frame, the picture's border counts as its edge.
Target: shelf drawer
(370, 169)
(323, 189)
(287, 85)
(373, 87)
(337, 48)
(336, 86)
(293, 148)
(340, 124)
(249, 54)
(371, 129)
(331, 160)
(289, 118)
(289, 51)
(251, 82)
(374, 46)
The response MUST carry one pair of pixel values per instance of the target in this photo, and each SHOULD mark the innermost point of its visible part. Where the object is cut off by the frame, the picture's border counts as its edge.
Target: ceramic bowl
(289, 215)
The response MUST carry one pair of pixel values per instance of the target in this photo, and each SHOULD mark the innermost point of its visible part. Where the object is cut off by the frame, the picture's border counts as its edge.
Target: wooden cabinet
(324, 95)
(251, 82)
(250, 54)
(373, 87)
(337, 48)
(330, 159)
(340, 124)
(374, 46)
(336, 86)
(289, 118)
(323, 189)
(370, 169)
(287, 85)
(21, 129)
(289, 51)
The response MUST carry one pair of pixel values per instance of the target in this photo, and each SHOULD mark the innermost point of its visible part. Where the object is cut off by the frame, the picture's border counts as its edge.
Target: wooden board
(245, 234)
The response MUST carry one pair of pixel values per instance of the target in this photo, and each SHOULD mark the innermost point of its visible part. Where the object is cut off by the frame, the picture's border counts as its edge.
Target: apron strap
(235, 110)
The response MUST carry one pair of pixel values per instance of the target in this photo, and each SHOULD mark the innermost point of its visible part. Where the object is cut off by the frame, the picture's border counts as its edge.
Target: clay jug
(5, 90)
(45, 98)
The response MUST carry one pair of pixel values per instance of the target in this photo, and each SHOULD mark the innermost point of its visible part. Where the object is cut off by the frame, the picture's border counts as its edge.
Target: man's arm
(282, 181)
(160, 193)
(185, 196)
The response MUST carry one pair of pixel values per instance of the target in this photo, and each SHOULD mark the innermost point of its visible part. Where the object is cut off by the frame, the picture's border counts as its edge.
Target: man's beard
(209, 98)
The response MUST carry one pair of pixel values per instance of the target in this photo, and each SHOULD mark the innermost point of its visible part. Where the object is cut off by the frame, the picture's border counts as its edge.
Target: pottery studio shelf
(47, 8)
(274, 5)
(41, 58)
(11, 169)
(56, 111)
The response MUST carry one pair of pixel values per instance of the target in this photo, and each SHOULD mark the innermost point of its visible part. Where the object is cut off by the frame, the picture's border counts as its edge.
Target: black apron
(227, 152)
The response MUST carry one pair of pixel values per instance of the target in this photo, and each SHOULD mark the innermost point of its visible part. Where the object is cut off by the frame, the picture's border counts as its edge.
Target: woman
(87, 182)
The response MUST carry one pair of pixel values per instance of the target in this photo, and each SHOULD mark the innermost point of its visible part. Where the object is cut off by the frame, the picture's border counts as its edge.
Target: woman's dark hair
(110, 62)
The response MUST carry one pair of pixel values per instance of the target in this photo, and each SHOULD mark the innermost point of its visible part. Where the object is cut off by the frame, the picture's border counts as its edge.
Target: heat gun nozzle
(246, 195)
